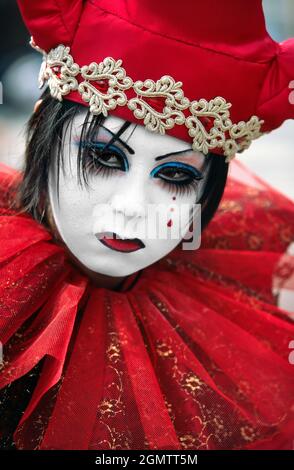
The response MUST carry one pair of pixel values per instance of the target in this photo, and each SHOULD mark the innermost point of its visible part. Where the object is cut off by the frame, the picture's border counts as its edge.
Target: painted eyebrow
(117, 137)
(161, 157)
(130, 150)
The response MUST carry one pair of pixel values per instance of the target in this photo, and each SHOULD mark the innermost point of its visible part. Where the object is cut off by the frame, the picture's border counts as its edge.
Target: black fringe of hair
(46, 128)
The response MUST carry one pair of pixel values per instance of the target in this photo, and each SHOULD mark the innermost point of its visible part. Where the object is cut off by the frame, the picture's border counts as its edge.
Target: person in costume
(113, 339)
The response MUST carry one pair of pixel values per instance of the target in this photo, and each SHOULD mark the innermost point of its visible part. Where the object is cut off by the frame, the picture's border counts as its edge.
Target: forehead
(136, 135)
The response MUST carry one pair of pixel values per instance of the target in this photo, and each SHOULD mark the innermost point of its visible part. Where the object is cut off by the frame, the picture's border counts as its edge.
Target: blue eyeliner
(101, 145)
(184, 166)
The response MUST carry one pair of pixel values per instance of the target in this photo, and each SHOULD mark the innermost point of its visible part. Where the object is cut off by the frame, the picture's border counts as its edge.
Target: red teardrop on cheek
(170, 222)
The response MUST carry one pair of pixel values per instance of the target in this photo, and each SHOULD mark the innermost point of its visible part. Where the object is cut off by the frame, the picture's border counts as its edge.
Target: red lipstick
(114, 242)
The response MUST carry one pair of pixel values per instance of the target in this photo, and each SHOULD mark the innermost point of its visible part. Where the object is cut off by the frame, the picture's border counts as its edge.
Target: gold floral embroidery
(108, 72)
(61, 73)
(216, 421)
(164, 350)
(174, 103)
(216, 109)
(159, 104)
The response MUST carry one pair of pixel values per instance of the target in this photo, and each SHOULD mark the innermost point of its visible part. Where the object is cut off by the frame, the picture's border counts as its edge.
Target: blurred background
(271, 157)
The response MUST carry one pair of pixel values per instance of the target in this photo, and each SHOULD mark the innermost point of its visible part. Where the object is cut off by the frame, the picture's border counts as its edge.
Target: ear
(51, 22)
(37, 104)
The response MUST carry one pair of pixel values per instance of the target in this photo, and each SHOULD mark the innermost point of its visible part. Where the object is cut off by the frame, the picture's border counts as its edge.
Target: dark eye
(175, 175)
(105, 162)
(108, 158)
(178, 178)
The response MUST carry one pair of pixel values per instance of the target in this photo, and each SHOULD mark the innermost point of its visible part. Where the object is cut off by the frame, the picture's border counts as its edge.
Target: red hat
(203, 71)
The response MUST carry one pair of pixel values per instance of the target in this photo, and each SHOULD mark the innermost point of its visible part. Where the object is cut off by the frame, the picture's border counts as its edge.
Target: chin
(113, 270)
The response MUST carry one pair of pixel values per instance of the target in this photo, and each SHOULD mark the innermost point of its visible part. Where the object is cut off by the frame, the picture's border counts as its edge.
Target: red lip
(126, 245)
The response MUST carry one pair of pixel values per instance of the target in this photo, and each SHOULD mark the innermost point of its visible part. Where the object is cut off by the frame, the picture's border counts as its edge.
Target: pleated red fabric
(195, 354)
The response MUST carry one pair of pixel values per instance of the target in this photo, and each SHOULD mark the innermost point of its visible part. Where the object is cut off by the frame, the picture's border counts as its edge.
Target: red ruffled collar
(193, 356)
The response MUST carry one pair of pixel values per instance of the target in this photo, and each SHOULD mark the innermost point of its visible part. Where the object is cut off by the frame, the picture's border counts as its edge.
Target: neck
(98, 279)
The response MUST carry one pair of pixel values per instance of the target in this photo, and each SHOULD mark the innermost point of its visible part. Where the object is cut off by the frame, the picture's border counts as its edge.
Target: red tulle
(193, 355)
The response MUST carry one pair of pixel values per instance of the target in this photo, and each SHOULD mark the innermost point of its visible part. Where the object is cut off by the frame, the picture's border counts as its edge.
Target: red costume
(193, 352)
(193, 355)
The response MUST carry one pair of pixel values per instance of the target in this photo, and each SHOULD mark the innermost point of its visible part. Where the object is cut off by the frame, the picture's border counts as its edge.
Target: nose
(130, 198)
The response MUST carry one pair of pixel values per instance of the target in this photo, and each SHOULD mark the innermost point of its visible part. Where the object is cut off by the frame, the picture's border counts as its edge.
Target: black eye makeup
(101, 160)
(178, 177)
(108, 159)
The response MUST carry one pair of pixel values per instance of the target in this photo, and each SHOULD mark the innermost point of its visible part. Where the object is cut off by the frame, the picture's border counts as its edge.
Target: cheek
(175, 223)
(176, 207)
(82, 199)
(73, 207)
(101, 188)
(71, 212)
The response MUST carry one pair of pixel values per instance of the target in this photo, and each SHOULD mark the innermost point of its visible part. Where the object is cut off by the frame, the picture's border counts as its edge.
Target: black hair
(44, 130)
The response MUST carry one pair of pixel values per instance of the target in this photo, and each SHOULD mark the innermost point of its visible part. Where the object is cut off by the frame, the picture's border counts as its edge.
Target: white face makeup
(126, 186)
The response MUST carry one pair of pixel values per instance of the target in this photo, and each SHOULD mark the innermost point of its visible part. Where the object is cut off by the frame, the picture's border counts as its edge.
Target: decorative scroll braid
(159, 104)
